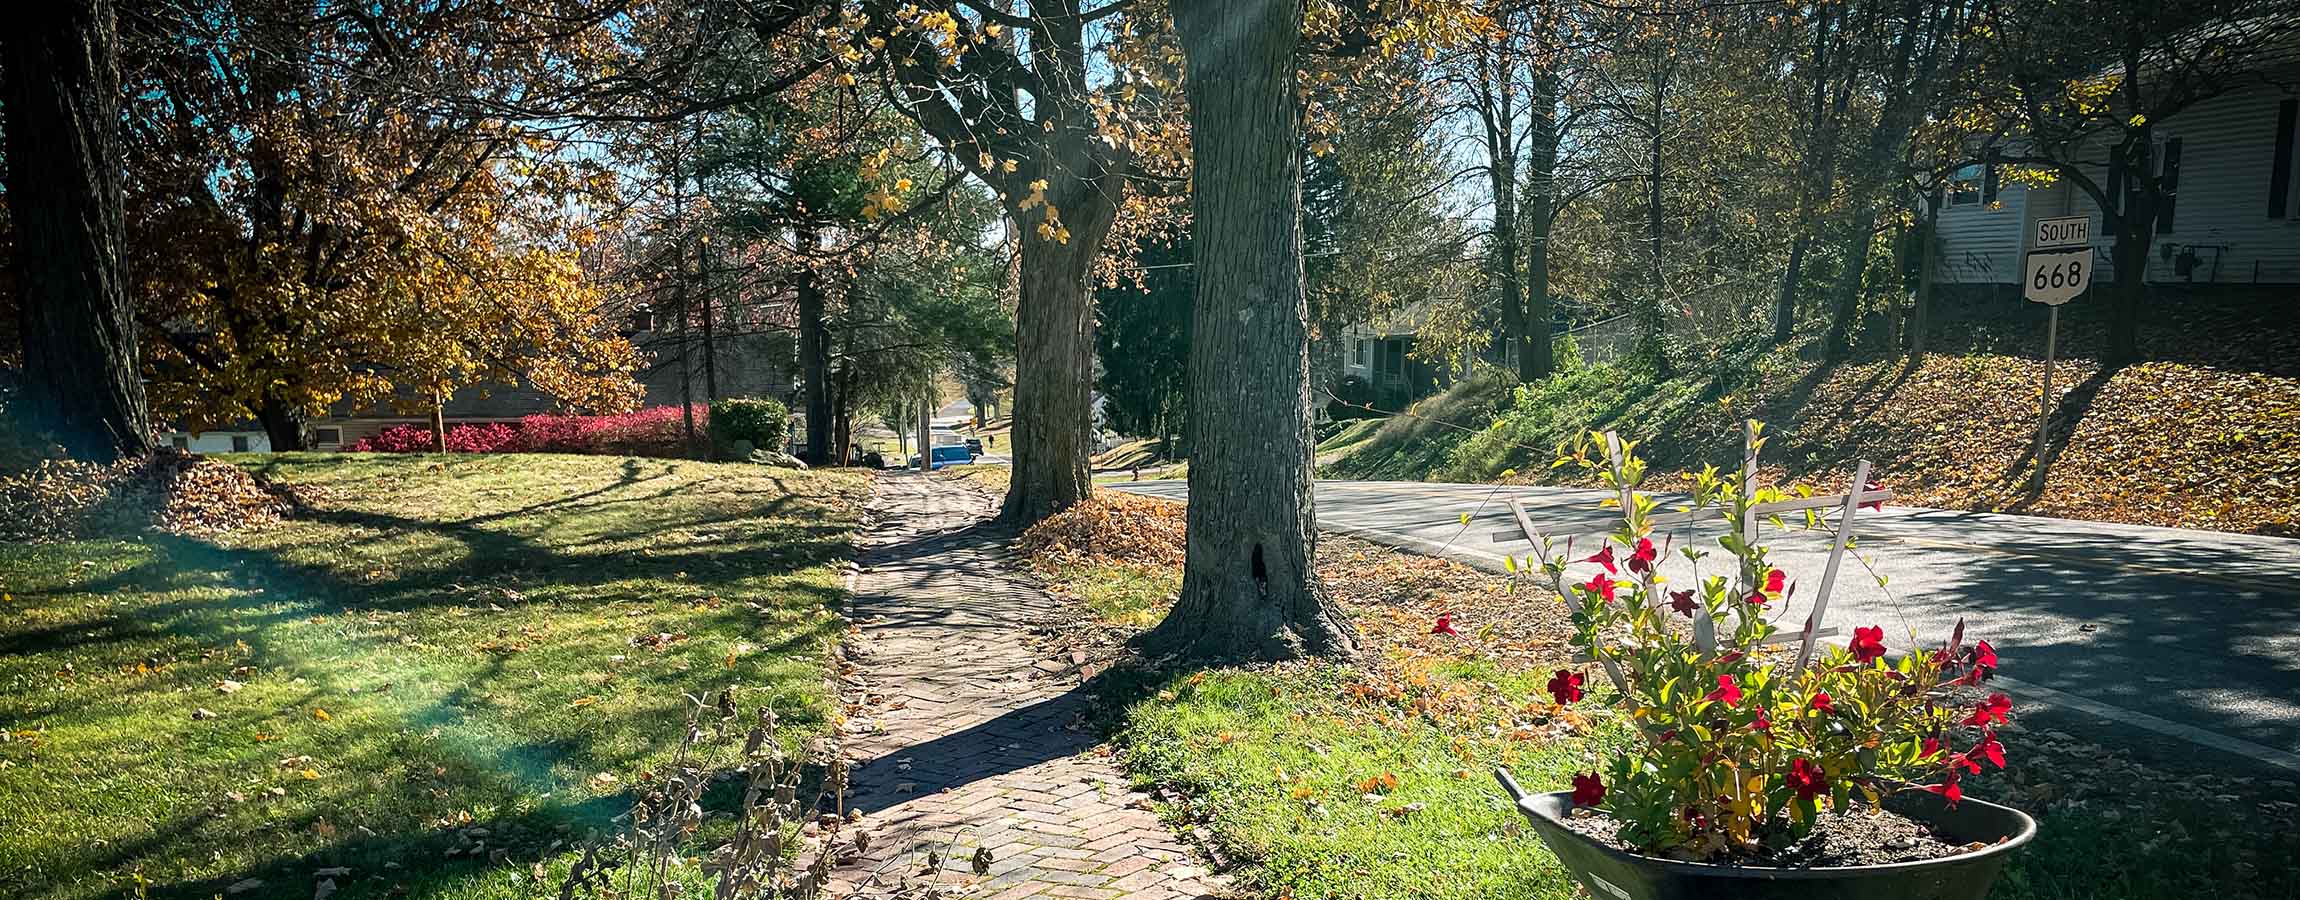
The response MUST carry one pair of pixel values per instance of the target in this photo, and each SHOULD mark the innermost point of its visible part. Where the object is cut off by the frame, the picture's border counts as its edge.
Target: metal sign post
(2055, 272)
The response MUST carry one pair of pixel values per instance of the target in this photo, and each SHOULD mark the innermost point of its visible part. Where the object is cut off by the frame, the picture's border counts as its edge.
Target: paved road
(2169, 633)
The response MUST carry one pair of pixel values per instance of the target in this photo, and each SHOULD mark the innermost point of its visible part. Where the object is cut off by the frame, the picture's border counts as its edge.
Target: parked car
(974, 446)
(949, 449)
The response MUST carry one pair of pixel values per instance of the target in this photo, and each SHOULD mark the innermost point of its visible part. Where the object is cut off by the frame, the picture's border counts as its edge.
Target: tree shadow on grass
(382, 773)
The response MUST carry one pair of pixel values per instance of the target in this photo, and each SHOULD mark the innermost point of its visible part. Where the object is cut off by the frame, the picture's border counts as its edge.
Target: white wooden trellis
(1848, 505)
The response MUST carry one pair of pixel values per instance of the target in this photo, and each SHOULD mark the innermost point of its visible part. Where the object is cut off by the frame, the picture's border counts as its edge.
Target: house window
(180, 442)
(327, 436)
(1973, 184)
(239, 443)
(1361, 351)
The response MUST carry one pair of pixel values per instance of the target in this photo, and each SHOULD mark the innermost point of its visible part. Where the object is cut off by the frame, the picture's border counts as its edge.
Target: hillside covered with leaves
(2201, 440)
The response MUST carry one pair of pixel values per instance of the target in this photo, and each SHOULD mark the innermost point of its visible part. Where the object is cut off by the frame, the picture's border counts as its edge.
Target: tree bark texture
(1497, 111)
(281, 425)
(1537, 354)
(1054, 365)
(1249, 583)
(82, 381)
(815, 366)
(1654, 318)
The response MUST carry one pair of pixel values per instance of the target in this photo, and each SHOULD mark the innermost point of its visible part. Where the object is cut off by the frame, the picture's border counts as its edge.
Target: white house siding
(2220, 214)
(1981, 243)
(219, 441)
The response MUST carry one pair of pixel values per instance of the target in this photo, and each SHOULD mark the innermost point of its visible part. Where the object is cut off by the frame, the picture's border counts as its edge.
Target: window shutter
(2280, 174)
(2115, 188)
(2171, 184)
(1988, 184)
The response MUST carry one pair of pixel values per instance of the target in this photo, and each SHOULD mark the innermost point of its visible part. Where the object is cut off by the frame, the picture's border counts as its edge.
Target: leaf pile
(168, 491)
(1112, 527)
(2152, 444)
(2161, 443)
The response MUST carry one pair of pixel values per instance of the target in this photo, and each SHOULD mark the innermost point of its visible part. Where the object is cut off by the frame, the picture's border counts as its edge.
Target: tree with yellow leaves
(310, 231)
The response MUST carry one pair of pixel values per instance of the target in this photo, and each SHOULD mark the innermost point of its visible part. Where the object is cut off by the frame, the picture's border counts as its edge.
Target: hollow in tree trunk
(82, 384)
(1249, 583)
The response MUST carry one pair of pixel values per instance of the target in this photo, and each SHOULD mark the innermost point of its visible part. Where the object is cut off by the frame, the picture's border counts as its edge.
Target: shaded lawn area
(444, 643)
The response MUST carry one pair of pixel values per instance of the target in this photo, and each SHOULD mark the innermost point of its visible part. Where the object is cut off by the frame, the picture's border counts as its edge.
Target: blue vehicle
(949, 450)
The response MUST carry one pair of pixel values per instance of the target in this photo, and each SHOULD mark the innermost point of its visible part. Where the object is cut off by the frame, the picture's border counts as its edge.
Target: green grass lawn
(500, 642)
(1278, 764)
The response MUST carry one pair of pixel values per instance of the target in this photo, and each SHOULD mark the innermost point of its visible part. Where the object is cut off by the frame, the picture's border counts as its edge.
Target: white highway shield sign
(2054, 277)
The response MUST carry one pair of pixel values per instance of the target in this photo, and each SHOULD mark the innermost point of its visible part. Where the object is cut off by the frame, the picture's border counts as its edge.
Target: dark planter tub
(1611, 874)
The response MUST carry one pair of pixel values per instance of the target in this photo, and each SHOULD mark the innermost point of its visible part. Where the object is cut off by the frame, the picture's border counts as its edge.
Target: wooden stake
(1853, 501)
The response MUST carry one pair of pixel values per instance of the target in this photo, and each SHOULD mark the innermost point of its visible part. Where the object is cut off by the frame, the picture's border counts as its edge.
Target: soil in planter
(1863, 837)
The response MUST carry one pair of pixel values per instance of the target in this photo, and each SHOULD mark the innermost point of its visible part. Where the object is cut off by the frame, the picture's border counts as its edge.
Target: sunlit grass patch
(1123, 594)
(1324, 783)
(500, 642)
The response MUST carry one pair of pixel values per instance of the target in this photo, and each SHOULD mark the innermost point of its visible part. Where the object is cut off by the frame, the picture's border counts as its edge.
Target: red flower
(1601, 585)
(1822, 702)
(1642, 559)
(1603, 557)
(1932, 748)
(1774, 580)
(1963, 761)
(1984, 657)
(1878, 505)
(1444, 625)
(1997, 708)
(1948, 791)
(1758, 598)
(1991, 750)
(1565, 686)
(1682, 602)
(1727, 691)
(1588, 790)
(1868, 643)
(1807, 779)
(1762, 722)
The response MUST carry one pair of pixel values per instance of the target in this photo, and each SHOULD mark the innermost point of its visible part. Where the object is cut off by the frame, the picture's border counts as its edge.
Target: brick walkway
(967, 740)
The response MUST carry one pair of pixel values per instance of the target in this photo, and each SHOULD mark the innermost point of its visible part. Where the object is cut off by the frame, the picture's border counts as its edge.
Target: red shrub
(489, 438)
(396, 439)
(654, 431)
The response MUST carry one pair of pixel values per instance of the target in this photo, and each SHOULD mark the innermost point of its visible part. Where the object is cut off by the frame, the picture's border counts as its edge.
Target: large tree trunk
(1785, 304)
(281, 424)
(1845, 308)
(815, 365)
(1249, 583)
(1653, 318)
(1497, 110)
(1054, 369)
(2128, 297)
(1818, 170)
(1536, 355)
(82, 383)
(2134, 230)
(1920, 311)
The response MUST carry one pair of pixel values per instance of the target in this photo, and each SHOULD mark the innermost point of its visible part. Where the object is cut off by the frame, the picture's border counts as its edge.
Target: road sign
(2062, 231)
(2054, 277)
